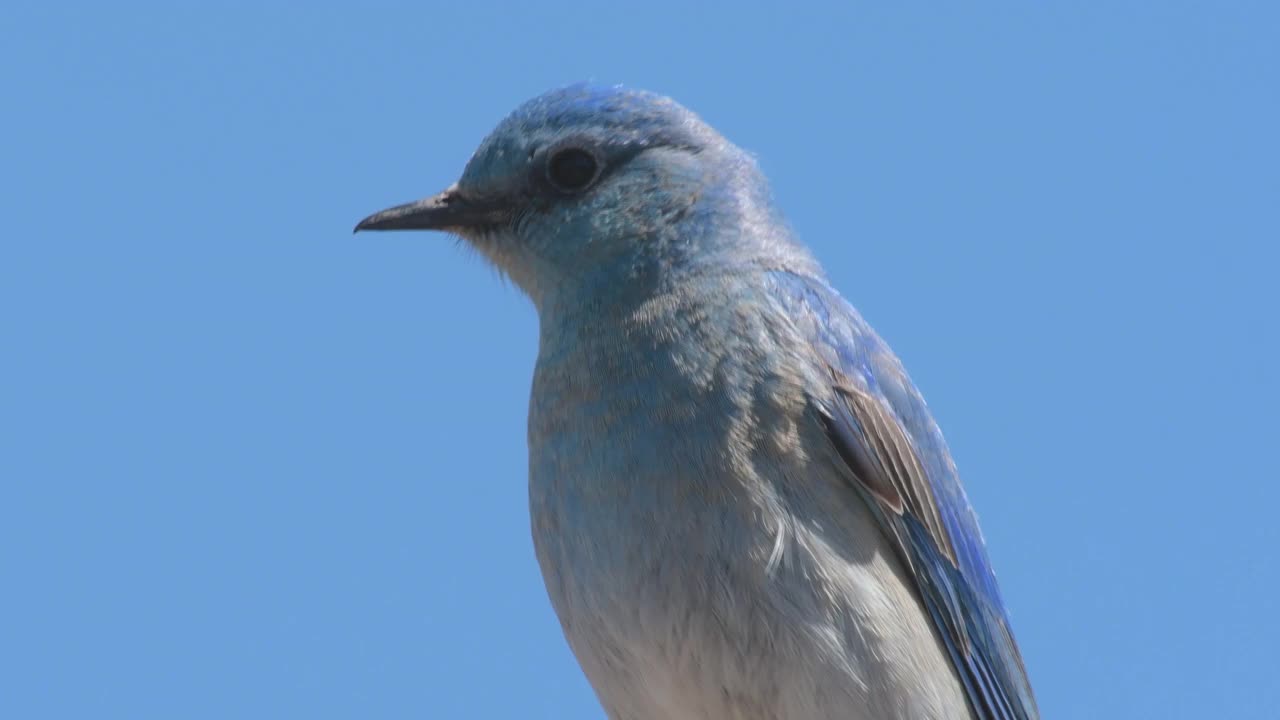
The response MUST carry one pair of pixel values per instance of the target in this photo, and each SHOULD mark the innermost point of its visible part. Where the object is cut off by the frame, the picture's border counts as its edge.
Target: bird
(741, 505)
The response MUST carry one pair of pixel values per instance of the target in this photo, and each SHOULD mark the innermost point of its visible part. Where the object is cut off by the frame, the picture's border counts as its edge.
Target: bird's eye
(572, 169)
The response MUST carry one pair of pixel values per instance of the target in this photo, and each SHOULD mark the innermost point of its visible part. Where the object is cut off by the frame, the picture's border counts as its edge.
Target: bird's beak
(448, 210)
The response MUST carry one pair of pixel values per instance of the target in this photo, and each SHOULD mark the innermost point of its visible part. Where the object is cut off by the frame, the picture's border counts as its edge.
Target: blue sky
(253, 466)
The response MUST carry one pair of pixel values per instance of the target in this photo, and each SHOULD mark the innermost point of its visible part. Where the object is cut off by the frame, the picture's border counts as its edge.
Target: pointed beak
(448, 210)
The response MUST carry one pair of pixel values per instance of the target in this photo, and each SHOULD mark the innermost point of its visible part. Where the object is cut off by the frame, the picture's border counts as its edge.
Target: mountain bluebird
(741, 506)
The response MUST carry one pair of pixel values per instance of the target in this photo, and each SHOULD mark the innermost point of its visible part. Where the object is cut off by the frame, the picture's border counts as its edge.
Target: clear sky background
(252, 466)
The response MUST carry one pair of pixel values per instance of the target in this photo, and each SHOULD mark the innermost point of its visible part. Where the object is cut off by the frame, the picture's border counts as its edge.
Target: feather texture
(898, 460)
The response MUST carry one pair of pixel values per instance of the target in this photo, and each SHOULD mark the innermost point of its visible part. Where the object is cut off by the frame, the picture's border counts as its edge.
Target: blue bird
(741, 505)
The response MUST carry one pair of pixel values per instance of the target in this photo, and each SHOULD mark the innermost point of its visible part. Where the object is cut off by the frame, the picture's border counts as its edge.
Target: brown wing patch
(886, 463)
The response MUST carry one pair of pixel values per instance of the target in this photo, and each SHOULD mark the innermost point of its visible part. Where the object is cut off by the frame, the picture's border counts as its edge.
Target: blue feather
(949, 562)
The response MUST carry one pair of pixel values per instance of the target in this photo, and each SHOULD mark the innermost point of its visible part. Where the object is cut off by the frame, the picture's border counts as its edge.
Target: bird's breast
(702, 551)
(656, 446)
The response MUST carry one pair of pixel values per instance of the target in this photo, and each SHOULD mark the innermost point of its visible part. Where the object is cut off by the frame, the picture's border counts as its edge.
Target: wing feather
(898, 461)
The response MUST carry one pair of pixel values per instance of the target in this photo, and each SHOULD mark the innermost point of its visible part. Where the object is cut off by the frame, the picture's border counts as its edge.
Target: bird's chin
(495, 245)
(501, 251)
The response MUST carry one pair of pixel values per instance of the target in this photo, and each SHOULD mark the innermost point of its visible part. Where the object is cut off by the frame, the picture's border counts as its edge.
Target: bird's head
(604, 189)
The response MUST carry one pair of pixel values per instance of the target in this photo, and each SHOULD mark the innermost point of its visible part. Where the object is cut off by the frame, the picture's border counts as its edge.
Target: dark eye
(572, 169)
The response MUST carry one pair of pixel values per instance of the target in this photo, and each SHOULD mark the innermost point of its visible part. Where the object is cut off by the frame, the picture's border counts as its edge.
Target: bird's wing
(899, 462)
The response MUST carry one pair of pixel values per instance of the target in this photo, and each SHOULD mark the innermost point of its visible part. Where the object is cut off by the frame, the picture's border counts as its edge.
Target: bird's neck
(620, 337)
